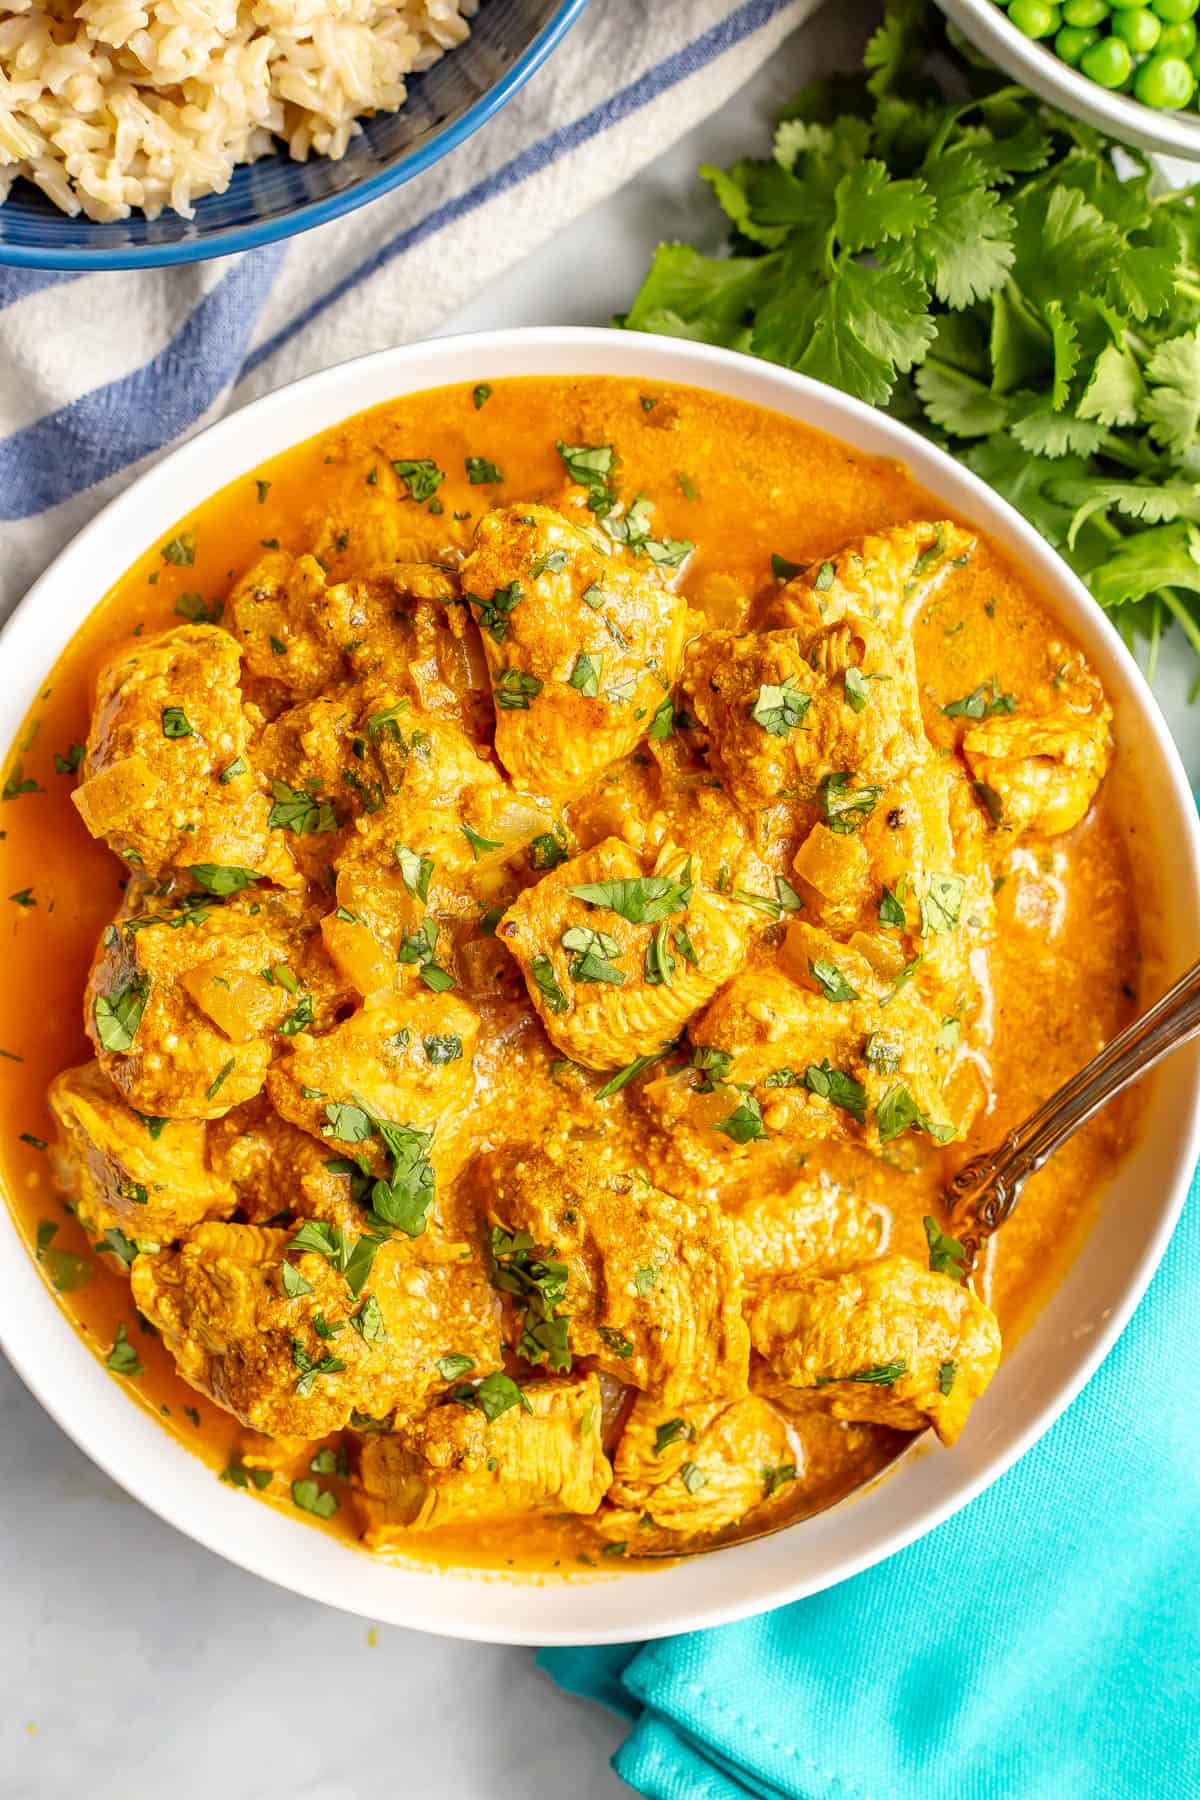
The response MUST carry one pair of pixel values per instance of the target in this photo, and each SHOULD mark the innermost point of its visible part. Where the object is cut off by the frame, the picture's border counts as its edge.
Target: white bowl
(1035, 65)
(1048, 1367)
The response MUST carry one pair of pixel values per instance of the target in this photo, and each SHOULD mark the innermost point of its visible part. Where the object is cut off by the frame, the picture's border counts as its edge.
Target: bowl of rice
(137, 133)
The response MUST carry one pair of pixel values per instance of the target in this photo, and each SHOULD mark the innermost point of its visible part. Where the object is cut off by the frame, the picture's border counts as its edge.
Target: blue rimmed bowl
(276, 197)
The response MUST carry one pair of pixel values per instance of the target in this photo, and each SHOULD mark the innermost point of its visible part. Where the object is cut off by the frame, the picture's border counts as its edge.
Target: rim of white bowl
(1033, 62)
(126, 1440)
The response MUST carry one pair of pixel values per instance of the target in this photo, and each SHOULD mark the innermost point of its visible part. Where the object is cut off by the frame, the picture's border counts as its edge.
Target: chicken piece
(854, 1051)
(297, 1354)
(1040, 774)
(899, 844)
(404, 1059)
(890, 1342)
(144, 1178)
(887, 576)
(583, 642)
(437, 843)
(302, 637)
(790, 712)
(685, 805)
(378, 519)
(652, 1287)
(799, 1223)
(456, 1464)
(166, 779)
(406, 636)
(694, 1473)
(617, 961)
(317, 782)
(278, 1170)
(191, 996)
(290, 629)
(915, 874)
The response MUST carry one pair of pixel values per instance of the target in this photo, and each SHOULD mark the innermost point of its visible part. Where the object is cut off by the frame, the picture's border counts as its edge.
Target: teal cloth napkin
(1044, 1644)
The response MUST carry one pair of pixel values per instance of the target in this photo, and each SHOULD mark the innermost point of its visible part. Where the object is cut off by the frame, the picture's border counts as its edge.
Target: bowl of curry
(531, 859)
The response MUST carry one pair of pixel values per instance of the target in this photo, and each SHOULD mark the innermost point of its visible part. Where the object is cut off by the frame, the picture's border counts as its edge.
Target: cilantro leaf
(642, 900)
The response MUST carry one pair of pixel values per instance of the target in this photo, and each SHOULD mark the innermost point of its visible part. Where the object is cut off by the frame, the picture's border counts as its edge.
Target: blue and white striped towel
(101, 373)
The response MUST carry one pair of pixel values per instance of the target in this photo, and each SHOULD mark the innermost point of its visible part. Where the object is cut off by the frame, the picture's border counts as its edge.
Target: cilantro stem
(1182, 617)
(978, 104)
(1156, 613)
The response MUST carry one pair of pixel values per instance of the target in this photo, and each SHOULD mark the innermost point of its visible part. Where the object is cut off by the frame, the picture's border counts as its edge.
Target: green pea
(1126, 5)
(1140, 30)
(1035, 18)
(1177, 40)
(1107, 63)
(1085, 12)
(1072, 41)
(1174, 12)
(1164, 82)
(1194, 63)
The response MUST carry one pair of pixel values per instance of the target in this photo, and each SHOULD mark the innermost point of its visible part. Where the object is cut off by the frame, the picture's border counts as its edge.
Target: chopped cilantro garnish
(941, 903)
(222, 879)
(421, 476)
(984, 702)
(515, 688)
(593, 954)
(643, 900)
(585, 675)
(542, 970)
(181, 550)
(176, 724)
(123, 1359)
(878, 1375)
(898, 1112)
(843, 806)
(670, 1432)
(776, 1478)
(494, 614)
(299, 811)
(855, 689)
(220, 1078)
(890, 910)
(199, 611)
(19, 783)
(69, 764)
(629, 1073)
(781, 708)
(416, 871)
(946, 1254)
(310, 1497)
(831, 981)
(745, 1123)
(838, 1087)
(118, 1015)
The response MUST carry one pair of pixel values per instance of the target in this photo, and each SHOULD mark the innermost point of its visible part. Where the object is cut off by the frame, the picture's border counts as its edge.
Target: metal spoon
(985, 1191)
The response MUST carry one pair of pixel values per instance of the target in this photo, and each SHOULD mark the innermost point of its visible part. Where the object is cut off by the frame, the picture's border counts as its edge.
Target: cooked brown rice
(110, 105)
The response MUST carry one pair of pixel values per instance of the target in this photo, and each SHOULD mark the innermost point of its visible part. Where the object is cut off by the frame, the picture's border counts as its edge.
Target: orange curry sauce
(743, 483)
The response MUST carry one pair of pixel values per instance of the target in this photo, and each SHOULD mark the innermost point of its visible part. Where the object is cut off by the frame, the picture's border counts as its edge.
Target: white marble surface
(136, 1663)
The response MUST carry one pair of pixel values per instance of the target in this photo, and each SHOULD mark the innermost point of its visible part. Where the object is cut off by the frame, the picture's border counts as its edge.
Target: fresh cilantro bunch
(936, 241)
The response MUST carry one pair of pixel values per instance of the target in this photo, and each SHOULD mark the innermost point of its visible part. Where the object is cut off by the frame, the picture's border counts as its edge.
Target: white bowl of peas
(1131, 68)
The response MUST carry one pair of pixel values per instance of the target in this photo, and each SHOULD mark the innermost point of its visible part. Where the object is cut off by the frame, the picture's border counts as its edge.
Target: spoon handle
(985, 1190)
